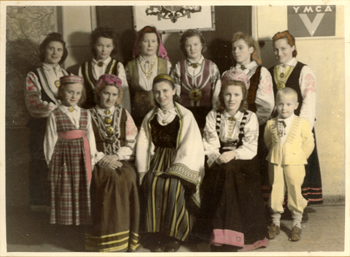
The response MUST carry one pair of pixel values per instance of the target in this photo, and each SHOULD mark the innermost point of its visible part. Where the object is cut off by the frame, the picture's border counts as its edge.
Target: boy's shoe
(296, 234)
(273, 231)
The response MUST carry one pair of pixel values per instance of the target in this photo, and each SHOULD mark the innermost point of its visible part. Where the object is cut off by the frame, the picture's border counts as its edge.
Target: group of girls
(158, 151)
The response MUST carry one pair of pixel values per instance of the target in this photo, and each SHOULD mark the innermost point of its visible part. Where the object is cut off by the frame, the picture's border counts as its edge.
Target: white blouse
(33, 98)
(144, 82)
(264, 99)
(307, 83)
(51, 135)
(211, 139)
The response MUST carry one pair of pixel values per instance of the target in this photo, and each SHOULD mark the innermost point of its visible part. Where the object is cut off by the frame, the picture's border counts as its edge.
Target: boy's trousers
(287, 178)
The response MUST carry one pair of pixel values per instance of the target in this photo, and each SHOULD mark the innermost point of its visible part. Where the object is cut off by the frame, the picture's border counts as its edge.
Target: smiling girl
(232, 200)
(197, 79)
(289, 72)
(41, 98)
(115, 226)
(170, 162)
(103, 46)
(70, 153)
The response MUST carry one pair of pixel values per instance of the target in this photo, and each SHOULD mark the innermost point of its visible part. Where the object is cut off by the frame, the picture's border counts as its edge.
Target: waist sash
(74, 134)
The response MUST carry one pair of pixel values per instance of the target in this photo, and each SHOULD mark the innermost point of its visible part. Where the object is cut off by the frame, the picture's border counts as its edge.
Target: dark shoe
(224, 248)
(273, 231)
(155, 243)
(172, 246)
(296, 234)
(157, 248)
(216, 248)
(231, 248)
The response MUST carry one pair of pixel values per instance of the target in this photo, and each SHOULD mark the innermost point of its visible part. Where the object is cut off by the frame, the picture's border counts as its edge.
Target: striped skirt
(115, 210)
(165, 199)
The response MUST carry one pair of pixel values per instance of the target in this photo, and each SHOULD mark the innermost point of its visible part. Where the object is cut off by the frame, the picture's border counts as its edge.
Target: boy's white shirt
(288, 122)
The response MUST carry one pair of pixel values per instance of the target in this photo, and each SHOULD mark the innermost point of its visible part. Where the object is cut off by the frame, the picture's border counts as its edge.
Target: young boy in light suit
(290, 142)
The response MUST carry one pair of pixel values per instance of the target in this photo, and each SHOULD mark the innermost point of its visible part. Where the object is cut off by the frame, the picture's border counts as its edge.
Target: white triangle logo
(311, 26)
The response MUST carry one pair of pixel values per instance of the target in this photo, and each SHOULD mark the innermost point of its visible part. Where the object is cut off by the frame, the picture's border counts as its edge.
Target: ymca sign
(311, 20)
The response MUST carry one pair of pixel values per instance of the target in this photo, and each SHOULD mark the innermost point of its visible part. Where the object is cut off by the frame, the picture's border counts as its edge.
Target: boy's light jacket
(297, 147)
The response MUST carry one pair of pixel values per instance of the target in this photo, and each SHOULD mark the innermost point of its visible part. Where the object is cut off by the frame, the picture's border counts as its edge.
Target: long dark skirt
(312, 186)
(39, 185)
(233, 204)
(115, 209)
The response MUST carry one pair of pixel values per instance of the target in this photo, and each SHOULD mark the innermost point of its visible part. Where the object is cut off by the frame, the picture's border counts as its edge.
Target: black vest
(292, 82)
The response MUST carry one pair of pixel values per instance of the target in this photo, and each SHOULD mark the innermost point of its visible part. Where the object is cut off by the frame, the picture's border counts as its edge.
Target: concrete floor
(323, 234)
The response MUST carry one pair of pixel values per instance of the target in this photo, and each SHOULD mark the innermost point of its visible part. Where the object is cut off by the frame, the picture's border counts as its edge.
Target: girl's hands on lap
(111, 161)
(226, 157)
(115, 165)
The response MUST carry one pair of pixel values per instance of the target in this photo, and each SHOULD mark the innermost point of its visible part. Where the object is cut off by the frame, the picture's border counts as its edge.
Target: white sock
(297, 217)
(276, 217)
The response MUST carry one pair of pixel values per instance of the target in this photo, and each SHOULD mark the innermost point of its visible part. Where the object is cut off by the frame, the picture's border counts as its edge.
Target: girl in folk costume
(103, 45)
(260, 96)
(150, 59)
(197, 78)
(41, 98)
(170, 162)
(114, 188)
(232, 199)
(289, 72)
(70, 152)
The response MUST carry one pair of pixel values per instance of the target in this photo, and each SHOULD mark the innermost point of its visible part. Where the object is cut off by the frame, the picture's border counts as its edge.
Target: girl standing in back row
(289, 72)
(197, 79)
(150, 59)
(103, 46)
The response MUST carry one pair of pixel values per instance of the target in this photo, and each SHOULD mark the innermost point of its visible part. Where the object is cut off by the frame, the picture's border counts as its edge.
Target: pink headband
(71, 79)
(234, 75)
(161, 49)
(110, 79)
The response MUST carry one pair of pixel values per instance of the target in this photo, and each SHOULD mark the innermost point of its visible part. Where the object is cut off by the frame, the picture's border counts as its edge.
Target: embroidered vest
(201, 82)
(141, 101)
(236, 143)
(292, 82)
(46, 92)
(104, 143)
(90, 81)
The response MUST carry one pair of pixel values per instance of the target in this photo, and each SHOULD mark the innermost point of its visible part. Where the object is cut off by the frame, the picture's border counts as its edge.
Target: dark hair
(101, 87)
(63, 86)
(255, 56)
(191, 33)
(147, 30)
(54, 36)
(103, 32)
(244, 104)
(290, 40)
(165, 78)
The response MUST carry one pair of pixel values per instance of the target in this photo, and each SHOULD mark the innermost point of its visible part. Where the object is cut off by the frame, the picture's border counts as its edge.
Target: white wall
(326, 57)
(77, 24)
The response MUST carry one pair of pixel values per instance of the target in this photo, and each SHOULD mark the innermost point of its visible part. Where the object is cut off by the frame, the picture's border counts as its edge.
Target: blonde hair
(286, 91)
